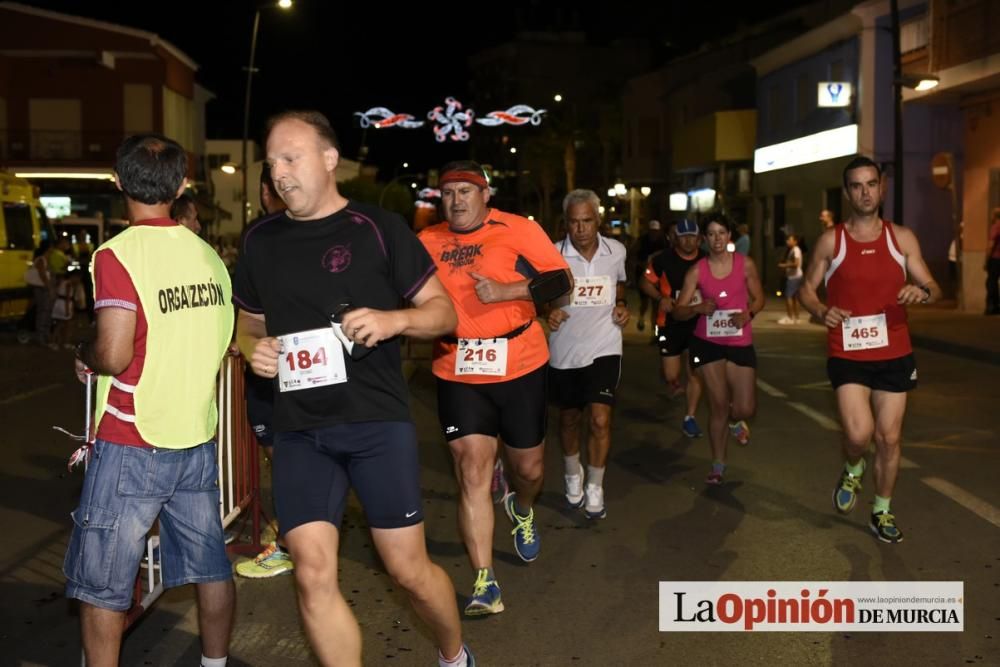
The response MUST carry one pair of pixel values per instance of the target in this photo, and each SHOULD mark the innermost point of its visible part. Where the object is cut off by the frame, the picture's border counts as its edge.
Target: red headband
(457, 176)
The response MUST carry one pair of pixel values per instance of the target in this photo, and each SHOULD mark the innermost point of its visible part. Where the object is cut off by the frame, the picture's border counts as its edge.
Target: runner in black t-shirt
(650, 243)
(341, 416)
(274, 560)
(663, 280)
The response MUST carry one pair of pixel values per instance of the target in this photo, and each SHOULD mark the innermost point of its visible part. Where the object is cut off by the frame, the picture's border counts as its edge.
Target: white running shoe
(594, 508)
(574, 489)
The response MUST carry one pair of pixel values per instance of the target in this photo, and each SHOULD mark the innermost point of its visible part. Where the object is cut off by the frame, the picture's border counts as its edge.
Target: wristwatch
(927, 293)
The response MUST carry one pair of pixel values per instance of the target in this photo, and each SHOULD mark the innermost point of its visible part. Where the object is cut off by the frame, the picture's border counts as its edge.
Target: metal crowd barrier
(239, 482)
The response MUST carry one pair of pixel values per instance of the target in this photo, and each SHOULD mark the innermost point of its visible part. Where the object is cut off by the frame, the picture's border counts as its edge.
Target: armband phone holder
(549, 286)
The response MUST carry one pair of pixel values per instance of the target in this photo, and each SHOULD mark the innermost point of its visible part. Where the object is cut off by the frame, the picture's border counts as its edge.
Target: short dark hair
(312, 118)
(859, 162)
(151, 168)
(719, 219)
(181, 205)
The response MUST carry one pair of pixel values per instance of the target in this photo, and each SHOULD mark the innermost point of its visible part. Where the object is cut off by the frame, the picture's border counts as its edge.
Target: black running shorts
(675, 337)
(515, 409)
(704, 352)
(313, 471)
(893, 375)
(578, 387)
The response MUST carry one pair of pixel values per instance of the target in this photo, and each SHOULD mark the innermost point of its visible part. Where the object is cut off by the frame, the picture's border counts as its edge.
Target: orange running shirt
(506, 248)
(660, 281)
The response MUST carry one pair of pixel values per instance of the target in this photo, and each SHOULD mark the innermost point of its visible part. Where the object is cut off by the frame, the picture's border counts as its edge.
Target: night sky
(343, 57)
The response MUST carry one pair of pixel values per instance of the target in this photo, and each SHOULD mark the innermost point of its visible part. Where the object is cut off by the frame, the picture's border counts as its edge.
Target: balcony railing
(69, 148)
(58, 147)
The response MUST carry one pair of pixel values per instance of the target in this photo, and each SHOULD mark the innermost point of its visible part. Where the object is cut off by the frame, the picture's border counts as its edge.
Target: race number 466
(721, 324)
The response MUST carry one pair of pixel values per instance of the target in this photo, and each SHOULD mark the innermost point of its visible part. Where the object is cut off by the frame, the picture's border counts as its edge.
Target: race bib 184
(310, 359)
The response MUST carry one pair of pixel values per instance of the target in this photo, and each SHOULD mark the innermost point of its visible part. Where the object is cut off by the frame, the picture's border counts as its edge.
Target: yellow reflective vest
(186, 295)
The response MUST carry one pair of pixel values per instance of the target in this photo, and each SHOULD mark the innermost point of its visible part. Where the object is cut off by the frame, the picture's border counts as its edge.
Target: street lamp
(283, 4)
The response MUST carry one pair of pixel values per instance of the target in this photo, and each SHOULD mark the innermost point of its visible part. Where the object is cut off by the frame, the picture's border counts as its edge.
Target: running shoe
(526, 542)
(846, 493)
(714, 479)
(690, 427)
(740, 431)
(485, 597)
(883, 525)
(270, 562)
(499, 487)
(574, 489)
(594, 508)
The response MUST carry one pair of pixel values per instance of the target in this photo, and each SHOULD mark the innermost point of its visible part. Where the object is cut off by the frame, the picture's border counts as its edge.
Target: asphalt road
(591, 598)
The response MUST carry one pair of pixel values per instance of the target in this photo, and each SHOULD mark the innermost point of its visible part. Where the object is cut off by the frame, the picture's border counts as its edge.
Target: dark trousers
(992, 287)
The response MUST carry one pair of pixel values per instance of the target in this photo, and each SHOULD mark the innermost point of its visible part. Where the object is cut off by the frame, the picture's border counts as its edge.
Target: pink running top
(730, 294)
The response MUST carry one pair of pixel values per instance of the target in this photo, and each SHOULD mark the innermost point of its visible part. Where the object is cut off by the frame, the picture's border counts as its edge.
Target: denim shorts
(124, 491)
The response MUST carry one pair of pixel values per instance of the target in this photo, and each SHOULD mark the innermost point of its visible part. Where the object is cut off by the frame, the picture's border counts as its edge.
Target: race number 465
(865, 333)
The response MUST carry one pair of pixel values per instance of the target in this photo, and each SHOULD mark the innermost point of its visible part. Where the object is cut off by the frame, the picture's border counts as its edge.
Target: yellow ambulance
(23, 226)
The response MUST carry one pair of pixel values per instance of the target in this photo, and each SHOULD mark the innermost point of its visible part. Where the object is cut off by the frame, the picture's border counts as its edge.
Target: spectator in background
(230, 253)
(743, 242)
(69, 297)
(993, 267)
(826, 220)
(793, 278)
(59, 259)
(185, 211)
(40, 280)
(638, 257)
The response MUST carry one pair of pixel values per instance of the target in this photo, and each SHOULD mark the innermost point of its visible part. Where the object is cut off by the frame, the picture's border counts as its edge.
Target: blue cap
(687, 227)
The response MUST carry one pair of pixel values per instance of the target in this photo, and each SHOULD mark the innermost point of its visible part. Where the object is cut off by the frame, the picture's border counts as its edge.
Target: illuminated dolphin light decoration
(380, 117)
(451, 119)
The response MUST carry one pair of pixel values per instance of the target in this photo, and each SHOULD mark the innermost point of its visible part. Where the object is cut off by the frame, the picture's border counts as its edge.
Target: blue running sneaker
(690, 427)
(883, 525)
(526, 542)
(485, 596)
(846, 493)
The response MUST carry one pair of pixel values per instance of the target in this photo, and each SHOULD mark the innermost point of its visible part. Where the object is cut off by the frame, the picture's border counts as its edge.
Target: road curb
(955, 349)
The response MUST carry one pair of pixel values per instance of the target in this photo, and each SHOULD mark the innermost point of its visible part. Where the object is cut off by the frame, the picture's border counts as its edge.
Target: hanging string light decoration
(451, 120)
